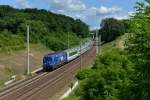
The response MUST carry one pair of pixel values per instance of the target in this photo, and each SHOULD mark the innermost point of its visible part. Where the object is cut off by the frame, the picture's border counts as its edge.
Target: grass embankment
(15, 63)
(118, 43)
(106, 48)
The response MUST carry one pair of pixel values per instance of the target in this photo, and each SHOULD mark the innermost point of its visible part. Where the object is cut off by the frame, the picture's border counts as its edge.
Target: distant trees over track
(112, 28)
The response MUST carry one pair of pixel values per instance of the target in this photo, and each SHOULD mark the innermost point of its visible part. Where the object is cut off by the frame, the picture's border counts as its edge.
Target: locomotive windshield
(47, 59)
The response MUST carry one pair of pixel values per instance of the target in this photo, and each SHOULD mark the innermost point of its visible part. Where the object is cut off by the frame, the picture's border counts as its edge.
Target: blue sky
(89, 11)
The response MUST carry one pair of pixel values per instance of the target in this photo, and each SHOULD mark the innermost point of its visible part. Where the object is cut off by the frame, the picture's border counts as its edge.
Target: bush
(84, 74)
(10, 42)
(108, 79)
(59, 41)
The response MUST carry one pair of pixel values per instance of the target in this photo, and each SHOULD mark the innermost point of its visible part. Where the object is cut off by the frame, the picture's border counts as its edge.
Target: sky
(89, 11)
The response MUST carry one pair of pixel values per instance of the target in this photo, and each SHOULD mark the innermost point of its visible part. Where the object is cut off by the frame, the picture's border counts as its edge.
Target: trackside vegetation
(49, 32)
(47, 28)
(121, 74)
(108, 78)
(138, 46)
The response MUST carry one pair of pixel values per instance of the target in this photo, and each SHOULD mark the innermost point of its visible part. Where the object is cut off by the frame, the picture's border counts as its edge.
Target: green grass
(1, 83)
(15, 63)
(118, 43)
(71, 97)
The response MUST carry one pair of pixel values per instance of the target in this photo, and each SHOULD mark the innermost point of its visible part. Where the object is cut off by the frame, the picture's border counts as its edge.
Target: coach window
(72, 53)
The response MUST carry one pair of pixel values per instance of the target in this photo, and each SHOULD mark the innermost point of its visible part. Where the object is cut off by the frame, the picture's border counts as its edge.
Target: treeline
(122, 74)
(45, 27)
(111, 28)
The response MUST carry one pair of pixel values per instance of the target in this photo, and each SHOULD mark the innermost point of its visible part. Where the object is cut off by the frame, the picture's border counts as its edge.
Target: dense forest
(122, 74)
(52, 30)
(111, 28)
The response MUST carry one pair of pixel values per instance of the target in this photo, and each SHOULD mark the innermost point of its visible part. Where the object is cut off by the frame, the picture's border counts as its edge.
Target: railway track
(17, 84)
(45, 85)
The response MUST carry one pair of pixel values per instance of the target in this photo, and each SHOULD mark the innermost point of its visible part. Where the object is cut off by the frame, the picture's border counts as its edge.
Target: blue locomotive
(54, 60)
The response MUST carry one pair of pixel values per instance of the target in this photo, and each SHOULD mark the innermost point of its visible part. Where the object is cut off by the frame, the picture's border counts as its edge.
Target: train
(54, 60)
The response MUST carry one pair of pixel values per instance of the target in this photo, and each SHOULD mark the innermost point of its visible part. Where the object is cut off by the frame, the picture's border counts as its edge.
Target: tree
(43, 24)
(138, 46)
(108, 79)
(111, 28)
(126, 23)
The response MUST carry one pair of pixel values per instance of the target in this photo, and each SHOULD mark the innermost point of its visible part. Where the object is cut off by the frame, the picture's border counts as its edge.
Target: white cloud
(22, 4)
(78, 9)
(105, 10)
(119, 17)
(131, 13)
(72, 8)
(67, 5)
(94, 27)
(91, 11)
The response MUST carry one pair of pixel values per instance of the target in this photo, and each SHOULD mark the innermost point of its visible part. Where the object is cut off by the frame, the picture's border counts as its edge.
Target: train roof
(50, 54)
(70, 50)
(53, 54)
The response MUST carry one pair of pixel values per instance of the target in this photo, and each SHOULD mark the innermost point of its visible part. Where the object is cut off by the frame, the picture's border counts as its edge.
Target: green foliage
(126, 23)
(84, 74)
(45, 27)
(59, 41)
(118, 76)
(111, 28)
(138, 46)
(108, 78)
(10, 42)
(80, 29)
(1, 83)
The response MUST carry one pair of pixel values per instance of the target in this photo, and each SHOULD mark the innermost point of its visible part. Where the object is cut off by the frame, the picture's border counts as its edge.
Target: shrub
(84, 74)
(108, 79)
